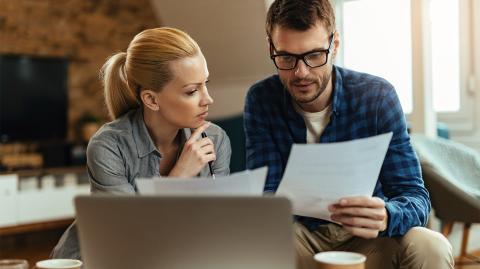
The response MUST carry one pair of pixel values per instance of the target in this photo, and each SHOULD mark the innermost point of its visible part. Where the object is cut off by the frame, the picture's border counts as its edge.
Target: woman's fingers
(204, 142)
(207, 150)
(198, 132)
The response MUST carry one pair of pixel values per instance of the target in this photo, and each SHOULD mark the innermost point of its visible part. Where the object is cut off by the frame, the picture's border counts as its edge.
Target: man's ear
(269, 47)
(336, 43)
(150, 99)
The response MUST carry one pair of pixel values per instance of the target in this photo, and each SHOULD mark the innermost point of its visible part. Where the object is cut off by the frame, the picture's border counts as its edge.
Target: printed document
(249, 182)
(318, 175)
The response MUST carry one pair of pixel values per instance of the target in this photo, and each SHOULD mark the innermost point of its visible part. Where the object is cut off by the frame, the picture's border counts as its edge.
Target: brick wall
(84, 31)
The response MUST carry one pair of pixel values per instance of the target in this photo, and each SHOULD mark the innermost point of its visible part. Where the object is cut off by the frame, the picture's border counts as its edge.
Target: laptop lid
(185, 232)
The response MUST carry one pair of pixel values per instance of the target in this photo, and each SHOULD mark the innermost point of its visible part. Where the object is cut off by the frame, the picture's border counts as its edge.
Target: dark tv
(33, 98)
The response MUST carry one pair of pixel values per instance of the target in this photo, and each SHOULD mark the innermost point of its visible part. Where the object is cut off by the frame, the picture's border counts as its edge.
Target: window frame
(462, 120)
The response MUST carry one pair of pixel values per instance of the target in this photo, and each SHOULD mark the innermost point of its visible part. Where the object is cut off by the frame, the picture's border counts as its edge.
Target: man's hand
(361, 215)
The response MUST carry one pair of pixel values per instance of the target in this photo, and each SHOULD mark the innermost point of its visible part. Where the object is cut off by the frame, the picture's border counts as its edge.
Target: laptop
(125, 232)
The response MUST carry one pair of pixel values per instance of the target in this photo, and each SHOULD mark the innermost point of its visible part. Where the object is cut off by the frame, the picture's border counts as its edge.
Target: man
(313, 101)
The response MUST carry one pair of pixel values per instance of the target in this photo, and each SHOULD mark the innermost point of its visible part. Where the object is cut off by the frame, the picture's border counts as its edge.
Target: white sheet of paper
(249, 182)
(318, 175)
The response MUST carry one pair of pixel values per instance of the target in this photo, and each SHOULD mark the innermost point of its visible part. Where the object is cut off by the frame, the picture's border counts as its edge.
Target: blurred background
(51, 100)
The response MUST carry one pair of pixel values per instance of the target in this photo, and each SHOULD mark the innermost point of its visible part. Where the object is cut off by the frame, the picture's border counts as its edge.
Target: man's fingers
(371, 213)
(361, 232)
(361, 201)
(358, 222)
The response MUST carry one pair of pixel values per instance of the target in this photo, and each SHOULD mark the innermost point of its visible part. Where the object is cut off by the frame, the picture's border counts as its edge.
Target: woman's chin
(196, 124)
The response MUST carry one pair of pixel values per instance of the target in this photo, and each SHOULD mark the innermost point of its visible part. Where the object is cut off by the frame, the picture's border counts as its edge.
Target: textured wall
(84, 31)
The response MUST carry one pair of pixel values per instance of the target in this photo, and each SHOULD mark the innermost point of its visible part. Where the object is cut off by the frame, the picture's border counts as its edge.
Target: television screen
(33, 98)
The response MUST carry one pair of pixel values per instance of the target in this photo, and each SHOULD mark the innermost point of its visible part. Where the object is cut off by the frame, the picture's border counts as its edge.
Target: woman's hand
(195, 155)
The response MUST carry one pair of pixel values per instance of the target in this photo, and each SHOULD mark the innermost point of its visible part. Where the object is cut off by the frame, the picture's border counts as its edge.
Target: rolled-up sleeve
(408, 202)
(223, 151)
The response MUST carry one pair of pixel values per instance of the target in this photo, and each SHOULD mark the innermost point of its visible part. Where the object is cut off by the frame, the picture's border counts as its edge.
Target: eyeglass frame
(301, 56)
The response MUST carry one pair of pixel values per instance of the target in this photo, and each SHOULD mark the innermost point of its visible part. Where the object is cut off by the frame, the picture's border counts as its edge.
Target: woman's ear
(150, 99)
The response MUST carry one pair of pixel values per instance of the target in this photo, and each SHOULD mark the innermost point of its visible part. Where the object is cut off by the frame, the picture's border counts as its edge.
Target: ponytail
(145, 65)
(119, 97)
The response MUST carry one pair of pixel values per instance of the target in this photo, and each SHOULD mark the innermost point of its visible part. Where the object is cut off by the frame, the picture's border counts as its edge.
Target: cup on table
(13, 264)
(59, 264)
(339, 260)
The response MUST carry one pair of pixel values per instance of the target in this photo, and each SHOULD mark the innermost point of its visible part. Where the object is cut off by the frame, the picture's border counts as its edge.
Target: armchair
(451, 172)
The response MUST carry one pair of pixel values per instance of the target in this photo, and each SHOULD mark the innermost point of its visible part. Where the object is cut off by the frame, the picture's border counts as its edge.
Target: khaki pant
(420, 248)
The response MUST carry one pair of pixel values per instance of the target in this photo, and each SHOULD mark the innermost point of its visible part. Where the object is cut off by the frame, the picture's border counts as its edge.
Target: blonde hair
(145, 65)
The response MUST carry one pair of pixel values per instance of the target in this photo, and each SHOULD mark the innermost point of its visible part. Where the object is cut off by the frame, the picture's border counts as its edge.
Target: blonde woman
(156, 95)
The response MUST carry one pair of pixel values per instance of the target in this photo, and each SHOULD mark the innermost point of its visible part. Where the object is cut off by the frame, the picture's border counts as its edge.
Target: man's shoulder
(270, 87)
(359, 84)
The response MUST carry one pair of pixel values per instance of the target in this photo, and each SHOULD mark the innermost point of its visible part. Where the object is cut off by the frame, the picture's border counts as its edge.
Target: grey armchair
(451, 172)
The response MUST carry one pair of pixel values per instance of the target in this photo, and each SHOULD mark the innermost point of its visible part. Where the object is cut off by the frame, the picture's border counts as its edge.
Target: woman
(156, 94)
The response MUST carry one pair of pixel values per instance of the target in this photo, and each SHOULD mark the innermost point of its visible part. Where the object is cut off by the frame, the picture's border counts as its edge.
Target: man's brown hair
(300, 15)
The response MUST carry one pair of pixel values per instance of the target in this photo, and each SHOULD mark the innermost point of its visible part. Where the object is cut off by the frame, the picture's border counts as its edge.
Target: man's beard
(321, 85)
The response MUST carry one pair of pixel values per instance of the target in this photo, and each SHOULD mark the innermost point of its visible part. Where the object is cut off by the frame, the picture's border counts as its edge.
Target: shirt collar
(143, 140)
(141, 136)
(338, 92)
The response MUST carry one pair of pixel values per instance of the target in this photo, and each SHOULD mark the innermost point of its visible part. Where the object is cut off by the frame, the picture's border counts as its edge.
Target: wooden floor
(31, 246)
(469, 264)
(37, 246)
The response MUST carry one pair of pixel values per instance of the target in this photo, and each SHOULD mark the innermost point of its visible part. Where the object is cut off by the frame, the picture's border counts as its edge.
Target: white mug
(59, 264)
(340, 260)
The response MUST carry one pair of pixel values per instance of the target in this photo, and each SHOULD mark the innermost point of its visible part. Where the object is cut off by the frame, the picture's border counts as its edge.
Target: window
(377, 39)
(444, 18)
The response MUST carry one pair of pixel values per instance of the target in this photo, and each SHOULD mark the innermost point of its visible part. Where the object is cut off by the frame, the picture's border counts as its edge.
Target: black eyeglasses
(314, 58)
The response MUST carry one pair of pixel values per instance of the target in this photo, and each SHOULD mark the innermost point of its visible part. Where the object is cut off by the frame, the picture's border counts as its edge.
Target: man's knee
(427, 244)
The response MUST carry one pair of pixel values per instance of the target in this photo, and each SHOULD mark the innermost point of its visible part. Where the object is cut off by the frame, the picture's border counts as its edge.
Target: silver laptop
(126, 232)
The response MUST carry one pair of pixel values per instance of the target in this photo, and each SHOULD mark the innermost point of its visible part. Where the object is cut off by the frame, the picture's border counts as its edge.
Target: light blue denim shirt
(120, 152)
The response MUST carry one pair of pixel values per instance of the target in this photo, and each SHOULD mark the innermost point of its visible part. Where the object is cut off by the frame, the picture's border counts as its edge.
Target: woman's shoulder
(115, 132)
(220, 139)
(215, 132)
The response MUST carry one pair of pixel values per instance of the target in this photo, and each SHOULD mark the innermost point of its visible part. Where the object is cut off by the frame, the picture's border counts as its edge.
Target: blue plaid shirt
(363, 105)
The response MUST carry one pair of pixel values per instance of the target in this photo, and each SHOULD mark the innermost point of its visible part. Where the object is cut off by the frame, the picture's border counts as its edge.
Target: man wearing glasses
(313, 101)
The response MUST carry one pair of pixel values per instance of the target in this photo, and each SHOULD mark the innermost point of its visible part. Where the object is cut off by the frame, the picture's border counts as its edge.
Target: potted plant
(87, 125)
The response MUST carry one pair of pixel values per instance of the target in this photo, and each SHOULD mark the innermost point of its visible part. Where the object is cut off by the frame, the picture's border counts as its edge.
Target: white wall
(233, 40)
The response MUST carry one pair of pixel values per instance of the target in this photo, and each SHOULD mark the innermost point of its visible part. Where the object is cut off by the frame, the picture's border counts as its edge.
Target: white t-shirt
(315, 122)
